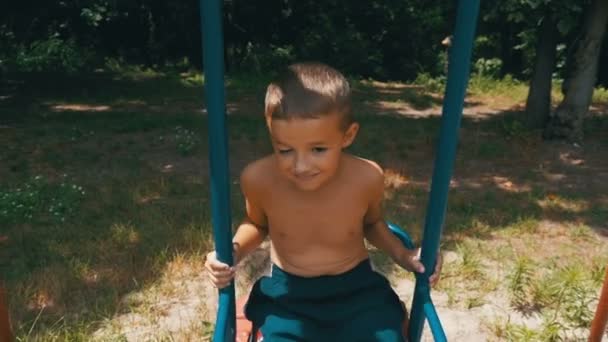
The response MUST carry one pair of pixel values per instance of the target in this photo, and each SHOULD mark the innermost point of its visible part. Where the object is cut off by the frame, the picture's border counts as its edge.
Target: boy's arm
(247, 238)
(376, 230)
(253, 230)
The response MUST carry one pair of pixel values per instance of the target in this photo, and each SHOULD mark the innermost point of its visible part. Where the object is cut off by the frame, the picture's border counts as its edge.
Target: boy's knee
(376, 326)
(389, 335)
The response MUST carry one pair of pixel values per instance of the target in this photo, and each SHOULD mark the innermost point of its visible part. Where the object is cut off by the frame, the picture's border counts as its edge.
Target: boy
(317, 204)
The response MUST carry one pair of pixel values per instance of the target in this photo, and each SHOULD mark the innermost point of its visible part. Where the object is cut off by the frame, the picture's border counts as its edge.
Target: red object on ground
(6, 335)
(244, 327)
(598, 326)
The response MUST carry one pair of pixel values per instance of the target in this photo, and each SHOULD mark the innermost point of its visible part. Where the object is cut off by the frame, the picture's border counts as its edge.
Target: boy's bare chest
(315, 217)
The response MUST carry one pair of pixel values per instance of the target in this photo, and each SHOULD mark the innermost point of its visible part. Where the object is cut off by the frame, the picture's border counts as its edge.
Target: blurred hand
(435, 276)
(411, 262)
(218, 272)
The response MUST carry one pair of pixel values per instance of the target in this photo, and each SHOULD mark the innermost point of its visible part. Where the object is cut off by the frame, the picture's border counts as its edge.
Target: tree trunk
(538, 104)
(567, 120)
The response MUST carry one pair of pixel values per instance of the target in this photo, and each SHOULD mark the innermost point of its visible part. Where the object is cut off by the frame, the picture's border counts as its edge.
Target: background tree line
(537, 40)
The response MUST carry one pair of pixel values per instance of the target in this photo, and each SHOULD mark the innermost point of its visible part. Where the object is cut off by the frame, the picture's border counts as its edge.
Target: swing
(247, 332)
(422, 305)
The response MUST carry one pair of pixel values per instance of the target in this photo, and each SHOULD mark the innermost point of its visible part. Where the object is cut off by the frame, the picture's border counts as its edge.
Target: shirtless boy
(317, 204)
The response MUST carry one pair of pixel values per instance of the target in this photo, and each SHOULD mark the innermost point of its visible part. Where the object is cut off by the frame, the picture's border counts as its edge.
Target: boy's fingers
(417, 266)
(217, 266)
(218, 277)
(222, 275)
(220, 282)
(213, 280)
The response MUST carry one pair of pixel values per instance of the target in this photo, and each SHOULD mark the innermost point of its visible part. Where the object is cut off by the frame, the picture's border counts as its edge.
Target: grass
(600, 95)
(104, 200)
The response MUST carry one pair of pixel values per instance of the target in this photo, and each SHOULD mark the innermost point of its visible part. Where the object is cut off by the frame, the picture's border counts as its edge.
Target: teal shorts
(358, 305)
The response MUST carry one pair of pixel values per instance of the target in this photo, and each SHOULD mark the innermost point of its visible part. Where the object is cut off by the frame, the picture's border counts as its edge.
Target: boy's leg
(359, 305)
(285, 328)
(383, 324)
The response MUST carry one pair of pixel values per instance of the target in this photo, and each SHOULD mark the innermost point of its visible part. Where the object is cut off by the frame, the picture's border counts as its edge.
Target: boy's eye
(319, 149)
(284, 150)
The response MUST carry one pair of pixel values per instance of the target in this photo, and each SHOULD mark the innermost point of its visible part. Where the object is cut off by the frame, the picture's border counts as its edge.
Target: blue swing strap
(429, 308)
(213, 63)
(458, 75)
(212, 36)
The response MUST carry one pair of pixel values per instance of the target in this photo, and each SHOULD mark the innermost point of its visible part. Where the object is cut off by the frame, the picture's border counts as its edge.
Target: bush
(52, 54)
(430, 83)
(488, 67)
(261, 57)
(41, 201)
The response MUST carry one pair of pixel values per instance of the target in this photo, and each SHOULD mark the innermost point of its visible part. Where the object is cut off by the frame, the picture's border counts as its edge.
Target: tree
(559, 20)
(538, 103)
(566, 122)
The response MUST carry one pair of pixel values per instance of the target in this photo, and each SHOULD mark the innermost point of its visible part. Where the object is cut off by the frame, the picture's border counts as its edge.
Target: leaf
(564, 26)
(516, 17)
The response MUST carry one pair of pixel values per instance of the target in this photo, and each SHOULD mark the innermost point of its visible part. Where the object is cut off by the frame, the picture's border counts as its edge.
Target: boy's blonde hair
(309, 90)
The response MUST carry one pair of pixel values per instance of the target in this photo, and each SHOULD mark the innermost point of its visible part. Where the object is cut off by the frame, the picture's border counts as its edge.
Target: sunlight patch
(394, 180)
(570, 205)
(507, 185)
(569, 159)
(80, 107)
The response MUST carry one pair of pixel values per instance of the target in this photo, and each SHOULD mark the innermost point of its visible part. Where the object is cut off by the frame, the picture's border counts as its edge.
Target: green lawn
(104, 193)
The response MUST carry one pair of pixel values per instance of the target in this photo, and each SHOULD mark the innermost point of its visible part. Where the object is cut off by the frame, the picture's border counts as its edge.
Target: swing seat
(246, 332)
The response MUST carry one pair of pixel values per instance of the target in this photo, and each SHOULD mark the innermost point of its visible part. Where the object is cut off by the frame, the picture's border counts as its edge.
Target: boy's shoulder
(258, 172)
(365, 170)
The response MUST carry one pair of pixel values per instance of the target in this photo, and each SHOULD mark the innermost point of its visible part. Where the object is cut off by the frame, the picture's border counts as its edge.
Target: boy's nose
(301, 165)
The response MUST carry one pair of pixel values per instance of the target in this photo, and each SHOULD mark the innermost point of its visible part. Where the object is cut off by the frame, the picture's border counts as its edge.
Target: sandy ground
(192, 299)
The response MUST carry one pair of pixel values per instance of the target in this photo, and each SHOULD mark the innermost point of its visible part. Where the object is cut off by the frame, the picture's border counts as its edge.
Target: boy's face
(308, 151)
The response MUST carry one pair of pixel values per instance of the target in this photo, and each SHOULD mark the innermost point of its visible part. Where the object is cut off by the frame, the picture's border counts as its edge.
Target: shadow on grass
(30, 95)
(391, 97)
(505, 176)
(383, 94)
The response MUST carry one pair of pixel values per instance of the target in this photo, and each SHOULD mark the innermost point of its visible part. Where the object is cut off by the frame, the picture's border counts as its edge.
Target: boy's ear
(350, 134)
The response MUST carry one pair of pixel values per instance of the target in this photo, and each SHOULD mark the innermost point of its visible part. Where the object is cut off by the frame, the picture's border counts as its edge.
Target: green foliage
(97, 13)
(576, 295)
(186, 140)
(520, 279)
(361, 39)
(260, 58)
(488, 67)
(430, 83)
(600, 94)
(51, 54)
(564, 295)
(513, 128)
(551, 330)
(505, 87)
(40, 200)
(521, 333)
(524, 17)
(598, 271)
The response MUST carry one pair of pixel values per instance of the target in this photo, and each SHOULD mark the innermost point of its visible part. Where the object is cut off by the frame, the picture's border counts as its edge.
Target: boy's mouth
(306, 176)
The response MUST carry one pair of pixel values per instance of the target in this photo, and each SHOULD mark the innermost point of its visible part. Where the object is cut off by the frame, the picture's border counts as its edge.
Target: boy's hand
(411, 262)
(434, 278)
(219, 273)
